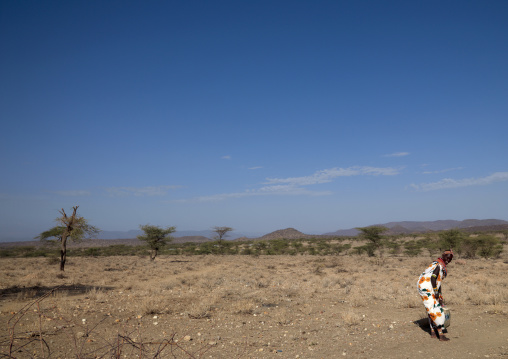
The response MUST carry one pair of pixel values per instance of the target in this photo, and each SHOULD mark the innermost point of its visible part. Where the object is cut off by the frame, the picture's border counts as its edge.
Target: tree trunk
(153, 254)
(69, 223)
(63, 252)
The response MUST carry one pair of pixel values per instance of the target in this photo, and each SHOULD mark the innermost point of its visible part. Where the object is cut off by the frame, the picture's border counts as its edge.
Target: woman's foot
(442, 338)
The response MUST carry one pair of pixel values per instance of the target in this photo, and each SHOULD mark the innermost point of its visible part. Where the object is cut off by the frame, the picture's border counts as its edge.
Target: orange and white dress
(430, 299)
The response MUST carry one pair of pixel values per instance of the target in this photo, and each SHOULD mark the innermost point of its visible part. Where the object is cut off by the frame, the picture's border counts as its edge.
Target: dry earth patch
(247, 307)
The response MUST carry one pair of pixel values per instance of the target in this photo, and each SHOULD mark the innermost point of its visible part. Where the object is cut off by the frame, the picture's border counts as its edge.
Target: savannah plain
(244, 306)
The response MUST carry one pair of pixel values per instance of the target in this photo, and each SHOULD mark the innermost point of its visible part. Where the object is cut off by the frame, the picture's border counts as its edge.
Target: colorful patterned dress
(430, 299)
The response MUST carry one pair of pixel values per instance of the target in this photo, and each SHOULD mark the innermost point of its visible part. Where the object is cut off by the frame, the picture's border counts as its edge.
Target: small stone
(187, 338)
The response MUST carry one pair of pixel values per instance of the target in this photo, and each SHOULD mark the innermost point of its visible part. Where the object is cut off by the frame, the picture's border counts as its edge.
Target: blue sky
(258, 115)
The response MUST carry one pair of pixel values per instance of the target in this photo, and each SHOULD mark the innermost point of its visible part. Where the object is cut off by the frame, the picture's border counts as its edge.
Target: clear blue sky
(258, 115)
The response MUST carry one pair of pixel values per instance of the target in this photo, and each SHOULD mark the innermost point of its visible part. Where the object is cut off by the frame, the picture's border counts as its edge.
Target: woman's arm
(433, 281)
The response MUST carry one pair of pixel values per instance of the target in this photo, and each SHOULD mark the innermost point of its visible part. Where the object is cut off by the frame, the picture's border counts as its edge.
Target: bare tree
(73, 227)
(156, 237)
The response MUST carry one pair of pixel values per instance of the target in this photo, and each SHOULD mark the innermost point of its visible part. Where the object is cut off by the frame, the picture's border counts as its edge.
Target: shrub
(470, 247)
(247, 251)
(393, 247)
(94, 252)
(489, 246)
(413, 248)
(278, 246)
(369, 249)
(451, 239)
(339, 248)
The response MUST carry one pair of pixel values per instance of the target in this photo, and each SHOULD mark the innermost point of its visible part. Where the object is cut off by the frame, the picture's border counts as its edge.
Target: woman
(429, 288)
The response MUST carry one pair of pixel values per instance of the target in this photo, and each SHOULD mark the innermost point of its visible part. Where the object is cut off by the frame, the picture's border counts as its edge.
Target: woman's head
(447, 256)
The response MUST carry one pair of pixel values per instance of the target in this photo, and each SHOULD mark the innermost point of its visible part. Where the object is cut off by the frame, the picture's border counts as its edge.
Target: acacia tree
(156, 237)
(374, 235)
(451, 239)
(74, 227)
(222, 232)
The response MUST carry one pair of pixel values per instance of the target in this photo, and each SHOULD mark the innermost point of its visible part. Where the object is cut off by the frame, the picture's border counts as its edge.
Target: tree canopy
(156, 237)
(221, 232)
(74, 227)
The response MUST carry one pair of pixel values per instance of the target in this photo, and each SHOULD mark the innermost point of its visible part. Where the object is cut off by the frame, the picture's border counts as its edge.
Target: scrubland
(233, 306)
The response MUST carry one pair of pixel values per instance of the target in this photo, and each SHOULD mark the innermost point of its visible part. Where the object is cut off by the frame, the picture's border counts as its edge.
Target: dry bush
(351, 318)
(96, 294)
(154, 304)
(358, 298)
(243, 306)
(200, 310)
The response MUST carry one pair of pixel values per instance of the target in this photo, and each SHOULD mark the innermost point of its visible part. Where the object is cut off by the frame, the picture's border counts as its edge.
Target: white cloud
(143, 191)
(294, 186)
(227, 157)
(72, 193)
(277, 190)
(443, 171)
(255, 168)
(328, 175)
(452, 183)
(397, 154)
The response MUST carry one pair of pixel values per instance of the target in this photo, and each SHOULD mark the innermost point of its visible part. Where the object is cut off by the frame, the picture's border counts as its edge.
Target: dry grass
(213, 294)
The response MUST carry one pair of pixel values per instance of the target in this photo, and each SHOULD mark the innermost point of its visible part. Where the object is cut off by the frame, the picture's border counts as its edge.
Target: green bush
(413, 248)
(451, 239)
(393, 247)
(369, 249)
(278, 246)
(247, 251)
(94, 252)
(470, 247)
(339, 248)
(489, 246)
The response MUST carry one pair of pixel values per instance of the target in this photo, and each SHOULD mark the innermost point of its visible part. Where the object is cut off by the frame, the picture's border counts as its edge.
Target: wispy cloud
(277, 190)
(255, 168)
(452, 183)
(142, 191)
(227, 157)
(397, 154)
(295, 186)
(443, 171)
(328, 175)
(72, 193)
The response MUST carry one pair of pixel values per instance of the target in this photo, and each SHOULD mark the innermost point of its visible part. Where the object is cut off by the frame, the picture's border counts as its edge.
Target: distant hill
(288, 233)
(107, 238)
(408, 227)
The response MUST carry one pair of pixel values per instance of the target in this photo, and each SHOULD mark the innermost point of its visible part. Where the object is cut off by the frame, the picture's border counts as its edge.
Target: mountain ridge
(409, 227)
(394, 228)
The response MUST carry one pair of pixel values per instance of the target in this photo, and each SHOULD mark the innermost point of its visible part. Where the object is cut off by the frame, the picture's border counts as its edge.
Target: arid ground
(247, 307)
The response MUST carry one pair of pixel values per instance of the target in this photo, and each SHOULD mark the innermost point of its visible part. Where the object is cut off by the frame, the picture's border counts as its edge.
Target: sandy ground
(247, 307)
